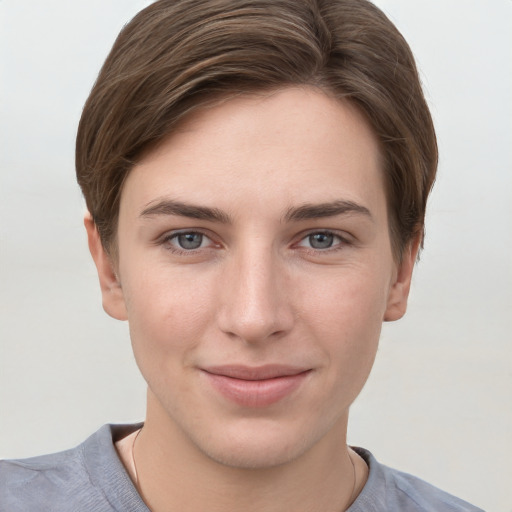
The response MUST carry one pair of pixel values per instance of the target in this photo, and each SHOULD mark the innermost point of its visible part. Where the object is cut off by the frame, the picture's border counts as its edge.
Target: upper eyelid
(171, 234)
(343, 235)
(344, 242)
(168, 241)
(176, 232)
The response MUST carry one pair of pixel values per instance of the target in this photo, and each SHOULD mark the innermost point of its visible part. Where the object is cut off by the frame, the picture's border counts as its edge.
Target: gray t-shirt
(91, 478)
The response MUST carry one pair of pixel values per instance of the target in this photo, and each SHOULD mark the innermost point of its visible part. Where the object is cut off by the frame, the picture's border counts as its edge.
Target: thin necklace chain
(133, 458)
(137, 477)
(352, 495)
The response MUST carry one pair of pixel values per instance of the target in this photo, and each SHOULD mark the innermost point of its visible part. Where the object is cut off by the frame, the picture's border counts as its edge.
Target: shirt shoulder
(88, 477)
(390, 489)
(42, 483)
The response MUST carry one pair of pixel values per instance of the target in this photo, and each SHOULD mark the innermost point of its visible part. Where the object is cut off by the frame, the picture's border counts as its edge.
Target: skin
(265, 285)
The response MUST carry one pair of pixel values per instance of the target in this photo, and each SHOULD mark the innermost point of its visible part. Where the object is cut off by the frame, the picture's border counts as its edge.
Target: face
(255, 270)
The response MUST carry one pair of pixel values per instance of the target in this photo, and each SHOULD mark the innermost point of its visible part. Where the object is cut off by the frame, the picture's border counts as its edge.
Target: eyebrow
(330, 209)
(172, 207)
(303, 212)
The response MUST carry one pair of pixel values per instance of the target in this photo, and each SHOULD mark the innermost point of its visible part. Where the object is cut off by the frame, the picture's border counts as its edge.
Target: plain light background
(438, 403)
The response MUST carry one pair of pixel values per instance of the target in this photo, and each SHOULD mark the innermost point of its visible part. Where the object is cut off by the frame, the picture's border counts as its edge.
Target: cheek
(167, 316)
(347, 315)
(349, 300)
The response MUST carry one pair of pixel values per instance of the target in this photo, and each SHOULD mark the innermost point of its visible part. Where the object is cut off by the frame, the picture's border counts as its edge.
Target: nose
(255, 304)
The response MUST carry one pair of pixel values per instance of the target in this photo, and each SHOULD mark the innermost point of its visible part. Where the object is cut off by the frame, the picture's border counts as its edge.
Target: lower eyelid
(337, 239)
(169, 240)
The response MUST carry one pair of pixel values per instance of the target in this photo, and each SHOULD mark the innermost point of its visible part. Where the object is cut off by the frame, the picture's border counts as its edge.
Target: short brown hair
(176, 55)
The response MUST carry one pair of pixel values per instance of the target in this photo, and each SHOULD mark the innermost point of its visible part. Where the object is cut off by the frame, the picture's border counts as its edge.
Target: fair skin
(255, 270)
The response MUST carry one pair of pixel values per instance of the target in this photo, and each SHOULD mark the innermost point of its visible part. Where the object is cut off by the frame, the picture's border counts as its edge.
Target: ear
(399, 291)
(111, 291)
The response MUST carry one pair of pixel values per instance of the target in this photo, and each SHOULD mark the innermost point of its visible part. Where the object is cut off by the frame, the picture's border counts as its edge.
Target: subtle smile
(255, 386)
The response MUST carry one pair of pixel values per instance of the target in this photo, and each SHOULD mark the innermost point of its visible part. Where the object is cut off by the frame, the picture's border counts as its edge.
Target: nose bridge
(255, 304)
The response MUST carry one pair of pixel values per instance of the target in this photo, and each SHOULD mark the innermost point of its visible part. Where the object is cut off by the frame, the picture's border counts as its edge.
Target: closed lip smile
(255, 386)
(269, 371)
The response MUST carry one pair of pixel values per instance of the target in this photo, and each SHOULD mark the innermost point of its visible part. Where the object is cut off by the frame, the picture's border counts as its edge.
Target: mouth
(255, 386)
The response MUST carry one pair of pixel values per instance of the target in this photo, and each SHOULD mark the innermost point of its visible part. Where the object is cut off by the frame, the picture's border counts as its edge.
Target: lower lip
(256, 393)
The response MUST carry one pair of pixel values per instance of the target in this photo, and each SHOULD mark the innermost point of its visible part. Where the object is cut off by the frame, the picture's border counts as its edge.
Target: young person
(256, 174)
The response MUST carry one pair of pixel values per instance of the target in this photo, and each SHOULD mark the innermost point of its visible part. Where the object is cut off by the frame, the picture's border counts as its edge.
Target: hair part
(177, 56)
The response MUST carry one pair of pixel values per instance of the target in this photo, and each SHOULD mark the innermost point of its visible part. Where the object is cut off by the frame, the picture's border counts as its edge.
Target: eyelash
(339, 242)
(168, 239)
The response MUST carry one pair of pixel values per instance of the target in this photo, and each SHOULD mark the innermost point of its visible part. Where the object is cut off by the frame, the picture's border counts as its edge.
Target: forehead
(290, 146)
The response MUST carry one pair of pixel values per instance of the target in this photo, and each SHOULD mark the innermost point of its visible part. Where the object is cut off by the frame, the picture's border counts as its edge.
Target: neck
(174, 475)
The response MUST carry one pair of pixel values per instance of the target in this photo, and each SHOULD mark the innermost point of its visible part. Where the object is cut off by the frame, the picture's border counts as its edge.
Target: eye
(321, 240)
(188, 241)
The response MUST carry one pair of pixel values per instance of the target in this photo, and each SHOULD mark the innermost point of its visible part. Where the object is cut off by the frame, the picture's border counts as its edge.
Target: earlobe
(111, 290)
(399, 291)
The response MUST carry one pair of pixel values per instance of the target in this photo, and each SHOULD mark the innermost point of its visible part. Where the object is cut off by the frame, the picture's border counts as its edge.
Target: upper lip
(269, 371)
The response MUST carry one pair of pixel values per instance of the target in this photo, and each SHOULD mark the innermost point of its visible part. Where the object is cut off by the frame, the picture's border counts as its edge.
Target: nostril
(253, 305)
(255, 330)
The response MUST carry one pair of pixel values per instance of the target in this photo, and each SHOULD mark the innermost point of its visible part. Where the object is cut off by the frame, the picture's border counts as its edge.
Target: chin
(253, 455)
(262, 445)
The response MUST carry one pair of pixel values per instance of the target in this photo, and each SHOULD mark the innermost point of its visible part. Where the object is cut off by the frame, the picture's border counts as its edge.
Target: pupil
(321, 240)
(190, 240)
